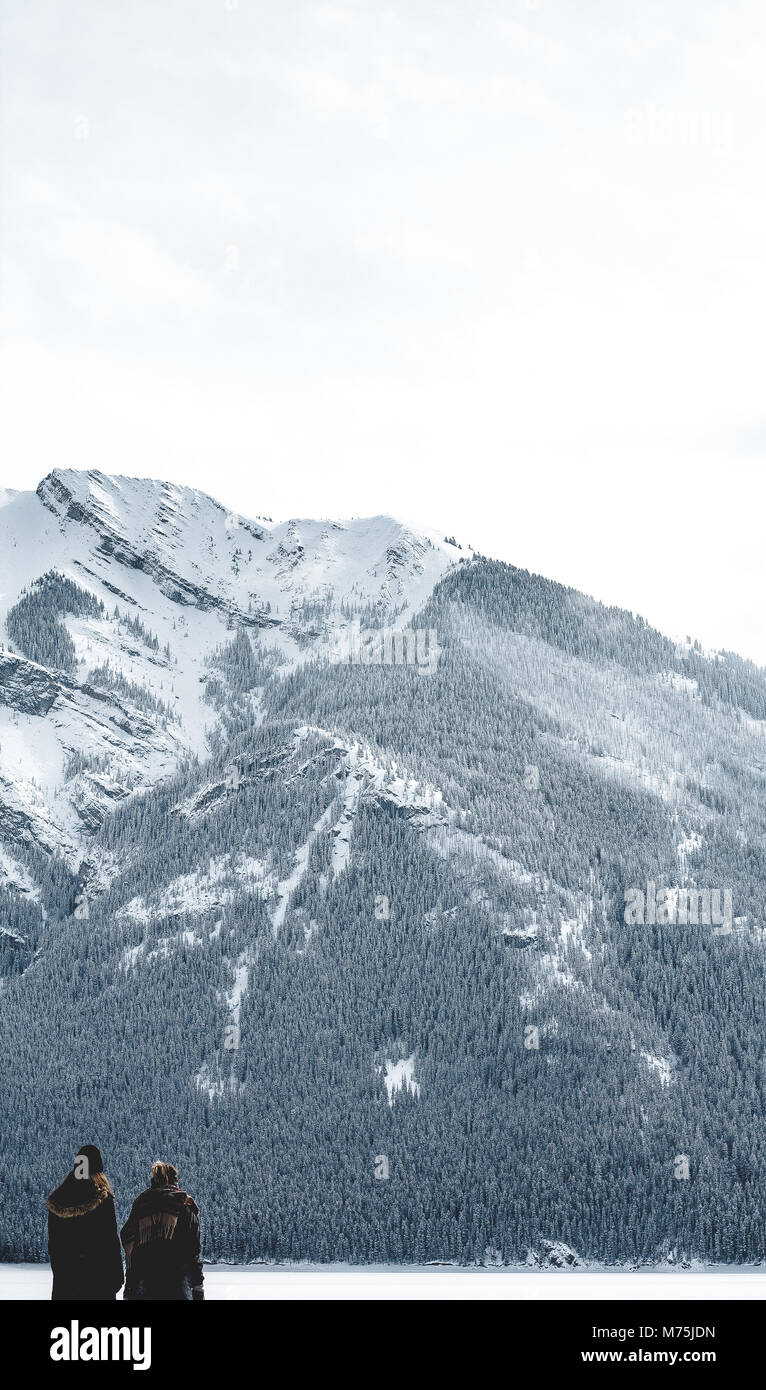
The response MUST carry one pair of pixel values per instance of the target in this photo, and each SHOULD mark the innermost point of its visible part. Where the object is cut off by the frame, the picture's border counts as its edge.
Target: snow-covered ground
(385, 1282)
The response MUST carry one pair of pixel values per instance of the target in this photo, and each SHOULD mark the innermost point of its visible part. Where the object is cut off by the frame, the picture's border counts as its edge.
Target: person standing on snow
(83, 1245)
(161, 1238)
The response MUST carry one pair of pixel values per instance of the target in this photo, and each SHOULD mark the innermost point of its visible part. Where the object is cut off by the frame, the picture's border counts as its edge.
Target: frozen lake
(381, 1282)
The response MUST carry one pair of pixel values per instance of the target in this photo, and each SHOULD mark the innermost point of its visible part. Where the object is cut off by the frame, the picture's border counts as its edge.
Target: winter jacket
(83, 1244)
(162, 1247)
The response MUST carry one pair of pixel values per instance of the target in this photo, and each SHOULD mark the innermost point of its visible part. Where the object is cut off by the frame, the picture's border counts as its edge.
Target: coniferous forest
(361, 968)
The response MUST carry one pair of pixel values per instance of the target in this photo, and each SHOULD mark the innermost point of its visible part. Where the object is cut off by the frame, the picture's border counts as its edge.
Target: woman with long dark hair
(83, 1244)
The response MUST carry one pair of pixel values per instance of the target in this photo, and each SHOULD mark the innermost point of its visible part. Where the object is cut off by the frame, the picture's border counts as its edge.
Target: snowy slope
(188, 571)
(356, 775)
(200, 555)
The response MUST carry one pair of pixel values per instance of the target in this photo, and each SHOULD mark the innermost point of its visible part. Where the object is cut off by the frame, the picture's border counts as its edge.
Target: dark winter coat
(83, 1244)
(162, 1247)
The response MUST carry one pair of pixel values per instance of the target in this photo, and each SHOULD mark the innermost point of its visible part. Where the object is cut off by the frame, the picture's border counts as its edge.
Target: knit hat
(92, 1157)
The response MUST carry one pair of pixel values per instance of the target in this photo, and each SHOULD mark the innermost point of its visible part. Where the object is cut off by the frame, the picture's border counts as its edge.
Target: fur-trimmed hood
(78, 1196)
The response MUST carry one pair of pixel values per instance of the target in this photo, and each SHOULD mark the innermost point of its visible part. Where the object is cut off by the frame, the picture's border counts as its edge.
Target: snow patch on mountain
(341, 831)
(690, 844)
(14, 875)
(285, 889)
(661, 1066)
(211, 1078)
(399, 1076)
(685, 685)
(449, 840)
(190, 894)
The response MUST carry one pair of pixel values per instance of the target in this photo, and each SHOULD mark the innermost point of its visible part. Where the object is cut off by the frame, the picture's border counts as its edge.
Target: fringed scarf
(154, 1216)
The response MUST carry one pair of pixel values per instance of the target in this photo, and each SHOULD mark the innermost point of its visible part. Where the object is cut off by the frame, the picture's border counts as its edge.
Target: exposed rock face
(115, 544)
(25, 820)
(93, 796)
(26, 687)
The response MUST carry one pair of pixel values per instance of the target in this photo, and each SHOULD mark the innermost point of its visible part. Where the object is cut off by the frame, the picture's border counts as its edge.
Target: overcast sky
(494, 267)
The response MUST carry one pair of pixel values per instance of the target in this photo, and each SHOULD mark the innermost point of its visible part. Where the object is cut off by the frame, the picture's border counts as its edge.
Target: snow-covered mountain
(451, 951)
(175, 573)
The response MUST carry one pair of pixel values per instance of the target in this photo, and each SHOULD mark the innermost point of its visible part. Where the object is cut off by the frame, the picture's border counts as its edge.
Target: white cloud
(493, 93)
(353, 257)
(121, 267)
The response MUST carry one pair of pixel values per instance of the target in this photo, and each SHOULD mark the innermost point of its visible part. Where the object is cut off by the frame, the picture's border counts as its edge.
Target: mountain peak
(89, 495)
(137, 581)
